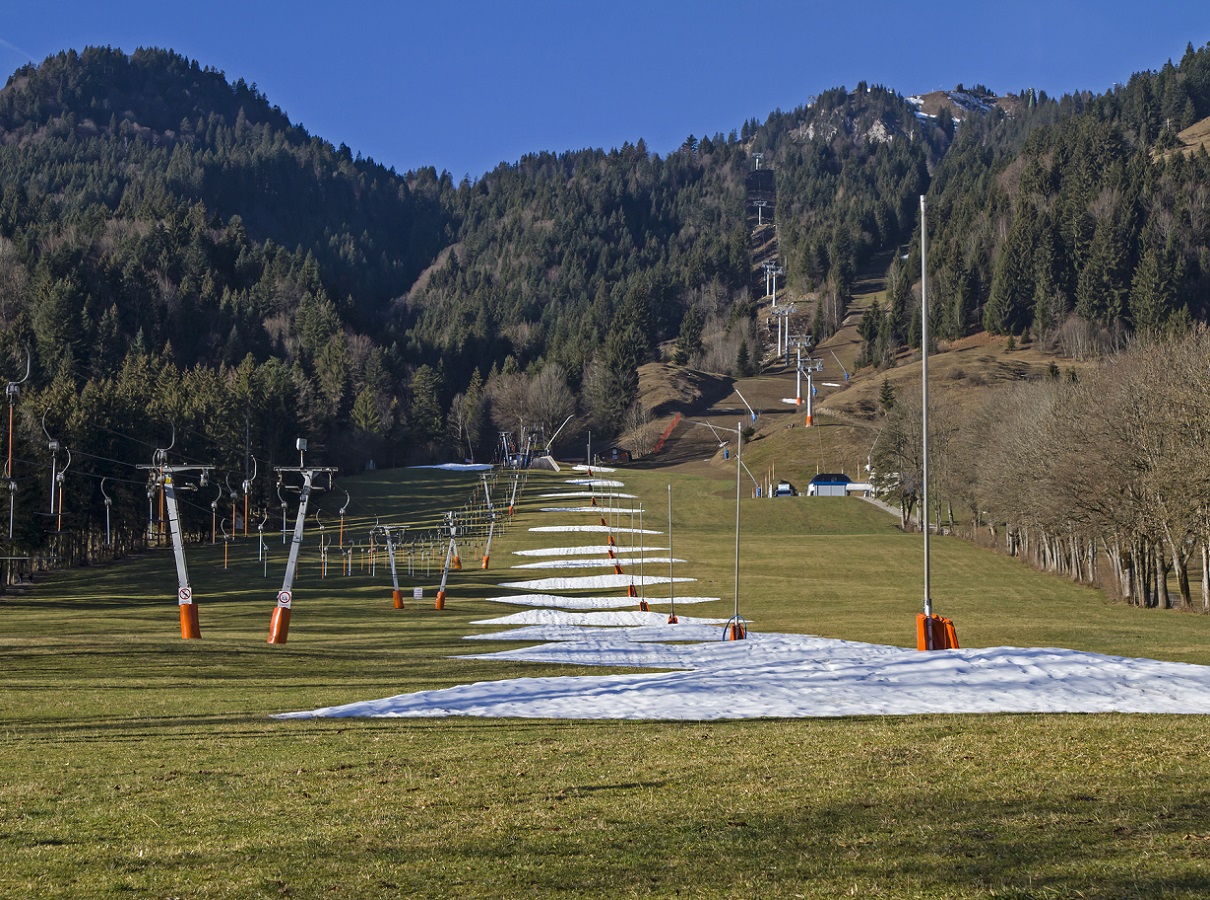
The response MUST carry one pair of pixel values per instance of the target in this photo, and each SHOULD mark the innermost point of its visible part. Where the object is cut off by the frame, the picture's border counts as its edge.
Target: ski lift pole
(60, 478)
(247, 489)
(445, 574)
(108, 504)
(279, 625)
(672, 619)
(491, 523)
(396, 594)
(735, 629)
(190, 628)
(164, 476)
(54, 447)
(13, 390)
(512, 500)
(342, 522)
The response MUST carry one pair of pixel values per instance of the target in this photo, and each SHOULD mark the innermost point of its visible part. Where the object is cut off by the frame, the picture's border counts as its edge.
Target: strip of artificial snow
(589, 582)
(596, 482)
(580, 495)
(797, 676)
(629, 618)
(599, 510)
(658, 631)
(557, 602)
(584, 550)
(459, 467)
(590, 469)
(629, 561)
(593, 529)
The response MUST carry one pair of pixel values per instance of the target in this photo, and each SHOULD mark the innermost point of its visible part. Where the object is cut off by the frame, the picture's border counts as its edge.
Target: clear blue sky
(465, 85)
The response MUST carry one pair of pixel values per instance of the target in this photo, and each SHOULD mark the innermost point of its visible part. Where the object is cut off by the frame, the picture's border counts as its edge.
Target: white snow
(597, 619)
(582, 495)
(557, 602)
(796, 676)
(599, 510)
(585, 550)
(596, 482)
(594, 529)
(627, 561)
(589, 582)
(459, 467)
(704, 677)
(583, 468)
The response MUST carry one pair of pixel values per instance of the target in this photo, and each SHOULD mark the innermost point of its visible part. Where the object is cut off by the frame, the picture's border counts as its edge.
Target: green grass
(138, 764)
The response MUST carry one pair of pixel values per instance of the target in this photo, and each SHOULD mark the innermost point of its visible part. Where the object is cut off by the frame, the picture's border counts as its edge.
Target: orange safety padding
(397, 598)
(923, 632)
(190, 629)
(631, 592)
(440, 604)
(951, 634)
(935, 633)
(457, 561)
(279, 625)
(644, 606)
(672, 619)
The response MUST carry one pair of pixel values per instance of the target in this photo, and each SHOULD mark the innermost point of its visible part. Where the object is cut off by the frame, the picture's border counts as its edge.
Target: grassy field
(138, 764)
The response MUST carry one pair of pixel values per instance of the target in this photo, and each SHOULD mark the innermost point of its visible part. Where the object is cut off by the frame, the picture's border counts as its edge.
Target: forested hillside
(175, 252)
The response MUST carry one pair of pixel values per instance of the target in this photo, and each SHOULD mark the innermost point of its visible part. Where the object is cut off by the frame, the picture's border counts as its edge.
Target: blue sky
(465, 85)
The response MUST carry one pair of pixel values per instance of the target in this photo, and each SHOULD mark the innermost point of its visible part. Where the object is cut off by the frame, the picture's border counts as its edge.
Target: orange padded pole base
(457, 562)
(935, 633)
(673, 620)
(644, 606)
(809, 418)
(190, 629)
(279, 625)
(485, 560)
(440, 604)
(397, 598)
(735, 632)
(631, 592)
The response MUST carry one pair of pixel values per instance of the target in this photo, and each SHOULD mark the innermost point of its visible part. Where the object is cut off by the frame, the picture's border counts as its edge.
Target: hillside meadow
(138, 764)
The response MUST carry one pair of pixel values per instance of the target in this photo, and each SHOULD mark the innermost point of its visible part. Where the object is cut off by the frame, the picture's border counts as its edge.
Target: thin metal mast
(924, 393)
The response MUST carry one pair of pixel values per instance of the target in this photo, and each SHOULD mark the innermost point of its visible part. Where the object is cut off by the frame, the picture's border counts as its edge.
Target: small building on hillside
(828, 485)
(616, 455)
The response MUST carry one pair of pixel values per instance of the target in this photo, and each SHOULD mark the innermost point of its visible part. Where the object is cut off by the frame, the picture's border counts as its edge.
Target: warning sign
(283, 599)
(417, 593)
(184, 596)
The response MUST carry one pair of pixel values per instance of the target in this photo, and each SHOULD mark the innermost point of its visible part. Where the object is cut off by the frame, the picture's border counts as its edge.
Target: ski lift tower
(167, 478)
(279, 625)
(12, 390)
(808, 367)
(392, 535)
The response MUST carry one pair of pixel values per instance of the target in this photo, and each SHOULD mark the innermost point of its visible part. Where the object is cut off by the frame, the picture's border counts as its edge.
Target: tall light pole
(924, 397)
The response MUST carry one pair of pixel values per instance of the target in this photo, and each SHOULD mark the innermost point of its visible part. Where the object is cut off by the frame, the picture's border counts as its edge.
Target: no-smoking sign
(284, 598)
(184, 596)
